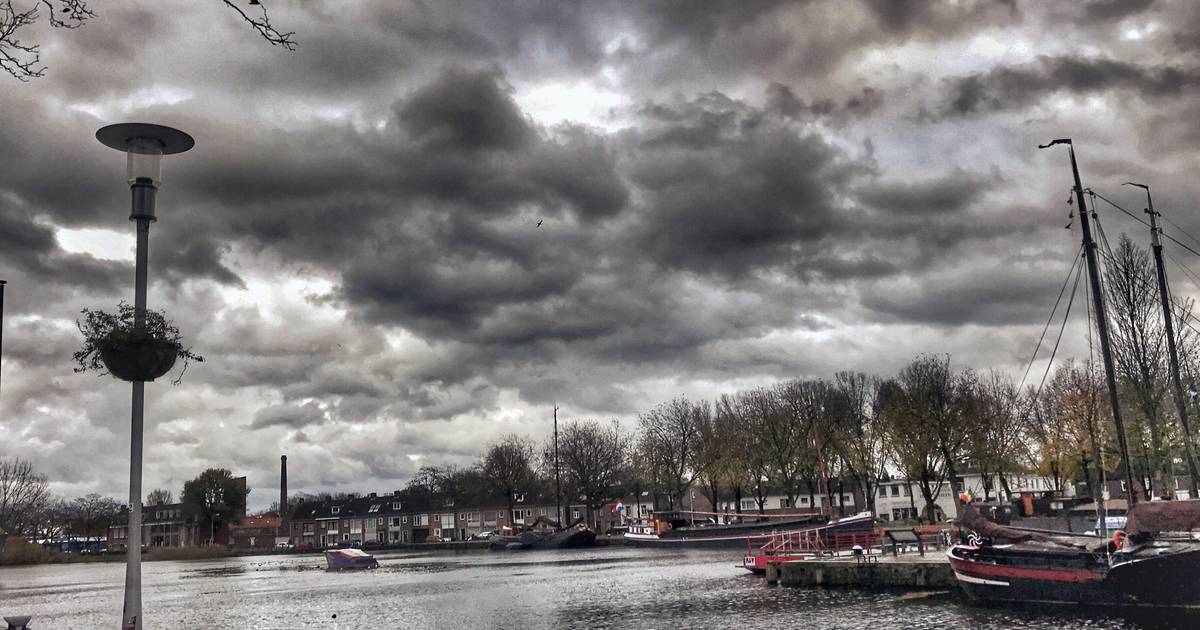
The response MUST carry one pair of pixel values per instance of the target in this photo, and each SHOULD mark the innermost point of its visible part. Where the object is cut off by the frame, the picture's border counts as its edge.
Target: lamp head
(144, 144)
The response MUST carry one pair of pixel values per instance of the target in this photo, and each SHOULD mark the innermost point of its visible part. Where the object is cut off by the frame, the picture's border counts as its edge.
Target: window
(345, 536)
(747, 504)
(374, 508)
(882, 491)
(336, 509)
(519, 497)
(396, 505)
(405, 519)
(448, 502)
(803, 500)
(437, 517)
(785, 503)
(396, 521)
(575, 514)
(896, 491)
(528, 513)
(462, 516)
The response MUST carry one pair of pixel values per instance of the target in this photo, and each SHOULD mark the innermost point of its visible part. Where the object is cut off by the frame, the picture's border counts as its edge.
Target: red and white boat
(798, 545)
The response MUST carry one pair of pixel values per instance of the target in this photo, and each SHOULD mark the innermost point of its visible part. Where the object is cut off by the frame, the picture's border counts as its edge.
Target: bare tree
(593, 461)
(857, 434)
(1139, 352)
(507, 466)
(159, 496)
(930, 414)
(90, 516)
(795, 444)
(23, 494)
(994, 446)
(670, 444)
(748, 413)
(22, 60)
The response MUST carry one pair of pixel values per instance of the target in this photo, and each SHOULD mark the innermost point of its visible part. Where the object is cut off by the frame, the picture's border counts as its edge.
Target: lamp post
(144, 145)
(2, 283)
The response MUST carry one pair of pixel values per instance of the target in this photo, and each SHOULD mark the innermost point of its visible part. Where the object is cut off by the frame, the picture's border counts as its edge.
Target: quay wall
(891, 574)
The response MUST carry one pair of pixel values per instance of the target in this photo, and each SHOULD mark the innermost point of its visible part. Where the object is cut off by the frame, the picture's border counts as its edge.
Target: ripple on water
(594, 589)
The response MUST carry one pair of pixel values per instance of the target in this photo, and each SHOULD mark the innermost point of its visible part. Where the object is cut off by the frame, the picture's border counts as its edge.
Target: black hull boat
(1155, 563)
(569, 538)
(732, 536)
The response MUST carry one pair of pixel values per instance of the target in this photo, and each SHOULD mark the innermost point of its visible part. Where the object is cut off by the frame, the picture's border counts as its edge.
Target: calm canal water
(604, 588)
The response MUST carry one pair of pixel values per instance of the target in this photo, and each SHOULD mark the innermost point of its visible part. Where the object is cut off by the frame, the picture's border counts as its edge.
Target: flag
(619, 508)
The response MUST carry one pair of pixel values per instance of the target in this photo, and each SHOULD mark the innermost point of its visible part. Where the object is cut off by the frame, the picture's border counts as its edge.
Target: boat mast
(1089, 249)
(1173, 352)
(557, 478)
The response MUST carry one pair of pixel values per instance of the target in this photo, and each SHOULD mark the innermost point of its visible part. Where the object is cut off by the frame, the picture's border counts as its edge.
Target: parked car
(483, 536)
(434, 539)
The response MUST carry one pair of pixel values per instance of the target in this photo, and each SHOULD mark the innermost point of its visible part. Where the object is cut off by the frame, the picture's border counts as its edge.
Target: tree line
(211, 501)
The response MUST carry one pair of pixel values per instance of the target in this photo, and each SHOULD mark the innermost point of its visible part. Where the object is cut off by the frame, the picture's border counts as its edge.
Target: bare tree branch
(264, 27)
(23, 61)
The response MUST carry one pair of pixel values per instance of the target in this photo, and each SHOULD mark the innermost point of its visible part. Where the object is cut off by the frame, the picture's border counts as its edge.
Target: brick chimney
(283, 498)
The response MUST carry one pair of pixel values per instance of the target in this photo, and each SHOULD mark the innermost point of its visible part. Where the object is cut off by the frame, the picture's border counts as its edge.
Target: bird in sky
(539, 222)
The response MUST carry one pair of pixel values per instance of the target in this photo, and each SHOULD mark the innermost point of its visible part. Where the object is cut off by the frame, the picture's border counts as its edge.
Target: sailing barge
(1154, 562)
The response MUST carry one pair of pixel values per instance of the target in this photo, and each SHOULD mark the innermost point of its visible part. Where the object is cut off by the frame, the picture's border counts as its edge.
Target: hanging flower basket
(115, 343)
(138, 358)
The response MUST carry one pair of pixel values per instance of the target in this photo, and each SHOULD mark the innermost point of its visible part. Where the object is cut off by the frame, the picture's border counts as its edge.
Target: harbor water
(600, 588)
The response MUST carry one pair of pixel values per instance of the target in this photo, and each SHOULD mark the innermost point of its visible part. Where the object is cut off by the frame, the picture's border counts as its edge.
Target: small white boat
(350, 560)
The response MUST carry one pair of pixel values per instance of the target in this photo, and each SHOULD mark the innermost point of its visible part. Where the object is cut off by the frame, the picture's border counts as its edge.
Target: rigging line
(1176, 226)
(1138, 219)
(1050, 319)
(1191, 275)
(1133, 216)
(1066, 317)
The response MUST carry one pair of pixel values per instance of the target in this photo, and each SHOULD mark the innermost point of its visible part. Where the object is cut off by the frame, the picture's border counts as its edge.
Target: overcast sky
(731, 193)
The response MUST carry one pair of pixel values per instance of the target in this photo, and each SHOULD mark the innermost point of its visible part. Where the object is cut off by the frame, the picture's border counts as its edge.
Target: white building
(901, 499)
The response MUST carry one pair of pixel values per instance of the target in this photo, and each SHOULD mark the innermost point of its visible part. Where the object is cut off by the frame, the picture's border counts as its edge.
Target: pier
(930, 571)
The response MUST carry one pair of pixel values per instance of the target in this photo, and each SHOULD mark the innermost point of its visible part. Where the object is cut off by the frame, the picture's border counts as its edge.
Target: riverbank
(20, 553)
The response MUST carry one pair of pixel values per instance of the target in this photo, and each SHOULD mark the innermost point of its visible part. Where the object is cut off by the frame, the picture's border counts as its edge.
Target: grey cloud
(294, 416)
(1006, 88)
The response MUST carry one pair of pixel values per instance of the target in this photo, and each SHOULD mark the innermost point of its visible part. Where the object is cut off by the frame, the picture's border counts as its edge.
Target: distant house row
(401, 517)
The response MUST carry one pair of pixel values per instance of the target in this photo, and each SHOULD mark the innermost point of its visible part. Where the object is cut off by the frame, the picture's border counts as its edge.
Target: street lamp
(2, 283)
(144, 145)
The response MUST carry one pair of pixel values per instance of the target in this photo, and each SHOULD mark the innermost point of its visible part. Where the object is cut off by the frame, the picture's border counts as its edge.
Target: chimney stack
(283, 498)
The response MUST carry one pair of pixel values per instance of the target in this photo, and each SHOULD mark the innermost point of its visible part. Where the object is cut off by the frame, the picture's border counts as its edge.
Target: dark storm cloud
(782, 100)
(729, 190)
(950, 193)
(989, 296)
(465, 111)
(1017, 87)
(353, 244)
(294, 416)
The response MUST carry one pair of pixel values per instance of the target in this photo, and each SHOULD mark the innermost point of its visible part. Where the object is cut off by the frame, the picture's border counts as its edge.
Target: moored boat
(804, 544)
(667, 530)
(349, 560)
(1154, 562)
(578, 535)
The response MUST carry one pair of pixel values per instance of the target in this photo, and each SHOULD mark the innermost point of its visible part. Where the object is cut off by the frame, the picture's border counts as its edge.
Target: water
(603, 588)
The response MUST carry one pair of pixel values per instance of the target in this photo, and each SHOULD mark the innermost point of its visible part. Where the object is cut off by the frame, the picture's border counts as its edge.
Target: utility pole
(1172, 351)
(2, 283)
(1089, 249)
(557, 475)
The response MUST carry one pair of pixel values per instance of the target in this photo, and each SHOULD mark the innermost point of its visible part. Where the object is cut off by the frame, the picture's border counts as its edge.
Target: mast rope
(1095, 194)
(1066, 317)
(1057, 301)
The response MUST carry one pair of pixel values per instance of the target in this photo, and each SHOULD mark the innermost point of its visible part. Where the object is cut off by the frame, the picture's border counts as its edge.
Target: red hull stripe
(1051, 575)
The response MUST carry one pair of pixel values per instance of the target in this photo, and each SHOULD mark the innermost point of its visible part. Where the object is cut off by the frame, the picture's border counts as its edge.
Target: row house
(404, 517)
